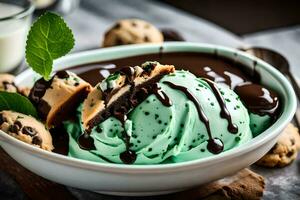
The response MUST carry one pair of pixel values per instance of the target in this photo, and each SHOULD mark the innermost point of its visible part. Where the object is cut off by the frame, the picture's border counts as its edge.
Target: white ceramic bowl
(120, 179)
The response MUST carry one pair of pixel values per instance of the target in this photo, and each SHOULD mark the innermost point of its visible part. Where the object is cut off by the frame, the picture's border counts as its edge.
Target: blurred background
(236, 23)
(273, 24)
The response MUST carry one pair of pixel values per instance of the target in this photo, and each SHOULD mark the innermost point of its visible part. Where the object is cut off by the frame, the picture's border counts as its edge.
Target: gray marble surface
(95, 16)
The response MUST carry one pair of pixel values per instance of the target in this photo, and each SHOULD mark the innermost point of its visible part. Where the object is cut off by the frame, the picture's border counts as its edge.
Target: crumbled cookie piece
(132, 31)
(56, 99)
(284, 151)
(26, 129)
(121, 90)
(7, 83)
(244, 185)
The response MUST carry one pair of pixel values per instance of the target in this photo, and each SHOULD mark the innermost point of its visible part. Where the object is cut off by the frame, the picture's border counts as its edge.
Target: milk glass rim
(27, 10)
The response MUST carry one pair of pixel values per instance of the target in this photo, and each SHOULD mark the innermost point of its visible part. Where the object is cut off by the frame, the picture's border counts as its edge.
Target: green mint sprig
(17, 103)
(49, 38)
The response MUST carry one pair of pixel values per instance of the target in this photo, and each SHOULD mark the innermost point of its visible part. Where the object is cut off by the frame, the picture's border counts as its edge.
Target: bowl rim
(272, 132)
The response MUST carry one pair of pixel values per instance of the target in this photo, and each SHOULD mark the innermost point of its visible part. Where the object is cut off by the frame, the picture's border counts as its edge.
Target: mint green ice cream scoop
(161, 134)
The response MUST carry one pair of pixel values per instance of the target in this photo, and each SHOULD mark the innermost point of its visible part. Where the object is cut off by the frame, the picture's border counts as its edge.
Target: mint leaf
(49, 38)
(17, 103)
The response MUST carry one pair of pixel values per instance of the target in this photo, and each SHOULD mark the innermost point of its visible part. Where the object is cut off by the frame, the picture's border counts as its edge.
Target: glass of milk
(15, 21)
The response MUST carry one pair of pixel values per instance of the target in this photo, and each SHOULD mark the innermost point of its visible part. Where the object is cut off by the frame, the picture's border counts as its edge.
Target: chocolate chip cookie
(284, 151)
(132, 31)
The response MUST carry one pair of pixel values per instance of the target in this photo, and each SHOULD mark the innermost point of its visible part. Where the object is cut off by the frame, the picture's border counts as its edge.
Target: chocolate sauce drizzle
(232, 128)
(86, 142)
(258, 99)
(161, 95)
(215, 145)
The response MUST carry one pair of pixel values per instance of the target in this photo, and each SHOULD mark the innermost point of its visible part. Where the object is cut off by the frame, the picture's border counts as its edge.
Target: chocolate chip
(99, 129)
(43, 109)
(146, 39)
(76, 84)
(2, 119)
(7, 84)
(13, 128)
(134, 24)
(39, 90)
(273, 148)
(119, 41)
(290, 153)
(171, 35)
(62, 74)
(27, 130)
(293, 141)
(116, 26)
(18, 123)
(37, 140)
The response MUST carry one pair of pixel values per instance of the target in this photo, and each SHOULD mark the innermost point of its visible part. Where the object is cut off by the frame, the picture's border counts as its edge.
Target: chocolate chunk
(149, 66)
(99, 129)
(119, 41)
(117, 26)
(171, 35)
(293, 141)
(9, 85)
(62, 74)
(2, 119)
(37, 140)
(27, 130)
(13, 128)
(43, 109)
(38, 90)
(290, 153)
(146, 39)
(18, 123)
